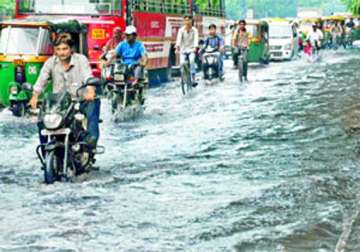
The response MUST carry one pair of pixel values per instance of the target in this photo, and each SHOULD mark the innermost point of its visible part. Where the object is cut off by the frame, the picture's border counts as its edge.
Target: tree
(353, 6)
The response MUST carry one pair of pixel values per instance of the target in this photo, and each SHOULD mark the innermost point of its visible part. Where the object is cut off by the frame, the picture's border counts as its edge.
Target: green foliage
(236, 9)
(353, 6)
(7, 8)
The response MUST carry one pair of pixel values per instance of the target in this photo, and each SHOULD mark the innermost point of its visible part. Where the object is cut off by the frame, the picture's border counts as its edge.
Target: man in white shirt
(187, 42)
(315, 37)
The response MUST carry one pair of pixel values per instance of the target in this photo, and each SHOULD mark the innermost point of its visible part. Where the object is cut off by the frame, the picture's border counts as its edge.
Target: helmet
(130, 30)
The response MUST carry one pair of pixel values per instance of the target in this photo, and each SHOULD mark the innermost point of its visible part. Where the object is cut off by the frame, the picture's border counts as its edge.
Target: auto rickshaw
(25, 45)
(259, 41)
(328, 24)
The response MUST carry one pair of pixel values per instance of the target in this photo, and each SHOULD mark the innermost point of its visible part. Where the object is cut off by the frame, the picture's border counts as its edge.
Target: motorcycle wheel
(50, 168)
(18, 109)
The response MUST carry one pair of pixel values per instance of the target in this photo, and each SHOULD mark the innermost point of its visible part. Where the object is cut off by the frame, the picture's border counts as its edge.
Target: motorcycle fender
(51, 147)
(64, 131)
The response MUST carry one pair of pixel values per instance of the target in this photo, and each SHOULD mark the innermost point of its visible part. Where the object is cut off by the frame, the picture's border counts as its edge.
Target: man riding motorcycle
(215, 42)
(68, 69)
(132, 53)
(112, 43)
(187, 42)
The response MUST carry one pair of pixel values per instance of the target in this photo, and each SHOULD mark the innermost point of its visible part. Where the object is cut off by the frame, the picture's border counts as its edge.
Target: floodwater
(269, 165)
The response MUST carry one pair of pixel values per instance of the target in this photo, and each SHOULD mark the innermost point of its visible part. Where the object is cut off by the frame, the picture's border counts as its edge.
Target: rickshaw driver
(66, 68)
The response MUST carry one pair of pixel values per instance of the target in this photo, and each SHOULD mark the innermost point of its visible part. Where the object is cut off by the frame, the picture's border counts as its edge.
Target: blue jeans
(189, 56)
(92, 112)
(221, 64)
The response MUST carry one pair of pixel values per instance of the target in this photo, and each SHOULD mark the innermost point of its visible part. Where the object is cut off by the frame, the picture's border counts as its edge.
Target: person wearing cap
(132, 52)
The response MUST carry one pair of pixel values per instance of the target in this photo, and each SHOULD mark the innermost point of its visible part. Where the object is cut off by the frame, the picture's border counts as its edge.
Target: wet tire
(50, 168)
(18, 109)
(186, 84)
(241, 70)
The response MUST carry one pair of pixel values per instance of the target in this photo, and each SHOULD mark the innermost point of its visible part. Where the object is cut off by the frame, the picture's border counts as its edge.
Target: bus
(157, 21)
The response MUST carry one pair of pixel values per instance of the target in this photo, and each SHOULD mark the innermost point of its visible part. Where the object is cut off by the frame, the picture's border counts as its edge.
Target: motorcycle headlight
(288, 47)
(13, 90)
(79, 117)
(52, 121)
(76, 147)
(119, 77)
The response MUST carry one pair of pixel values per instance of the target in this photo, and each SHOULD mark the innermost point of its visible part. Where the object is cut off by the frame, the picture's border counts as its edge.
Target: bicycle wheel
(241, 68)
(186, 84)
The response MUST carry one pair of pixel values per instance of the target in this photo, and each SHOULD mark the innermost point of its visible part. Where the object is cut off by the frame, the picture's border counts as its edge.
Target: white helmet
(130, 30)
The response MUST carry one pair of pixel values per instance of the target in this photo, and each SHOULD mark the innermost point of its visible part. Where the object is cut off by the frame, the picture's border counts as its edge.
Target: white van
(283, 40)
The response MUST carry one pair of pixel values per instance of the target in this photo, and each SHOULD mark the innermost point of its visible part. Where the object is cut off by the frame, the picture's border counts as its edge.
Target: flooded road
(270, 165)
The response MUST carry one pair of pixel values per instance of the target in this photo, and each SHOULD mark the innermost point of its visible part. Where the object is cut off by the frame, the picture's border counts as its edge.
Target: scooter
(211, 65)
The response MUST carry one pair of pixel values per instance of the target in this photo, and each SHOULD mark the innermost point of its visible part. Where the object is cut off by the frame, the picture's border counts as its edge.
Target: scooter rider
(187, 42)
(68, 70)
(214, 41)
(132, 52)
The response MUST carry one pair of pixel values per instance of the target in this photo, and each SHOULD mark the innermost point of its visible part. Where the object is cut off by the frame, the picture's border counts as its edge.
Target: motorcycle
(211, 65)
(66, 154)
(20, 95)
(126, 99)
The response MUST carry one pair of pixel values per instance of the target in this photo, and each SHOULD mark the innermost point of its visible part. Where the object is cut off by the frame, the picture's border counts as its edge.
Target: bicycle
(186, 82)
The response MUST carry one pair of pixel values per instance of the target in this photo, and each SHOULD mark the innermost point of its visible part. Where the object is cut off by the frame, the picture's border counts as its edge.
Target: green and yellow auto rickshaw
(25, 44)
(328, 24)
(24, 47)
(356, 31)
(259, 41)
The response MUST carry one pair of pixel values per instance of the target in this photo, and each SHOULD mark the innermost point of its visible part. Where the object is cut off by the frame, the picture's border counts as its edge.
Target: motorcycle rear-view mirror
(93, 82)
(27, 86)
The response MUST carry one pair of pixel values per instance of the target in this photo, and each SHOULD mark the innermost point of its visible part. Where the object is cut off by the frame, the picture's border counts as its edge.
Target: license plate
(277, 54)
(119, 77)
(63, 131)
